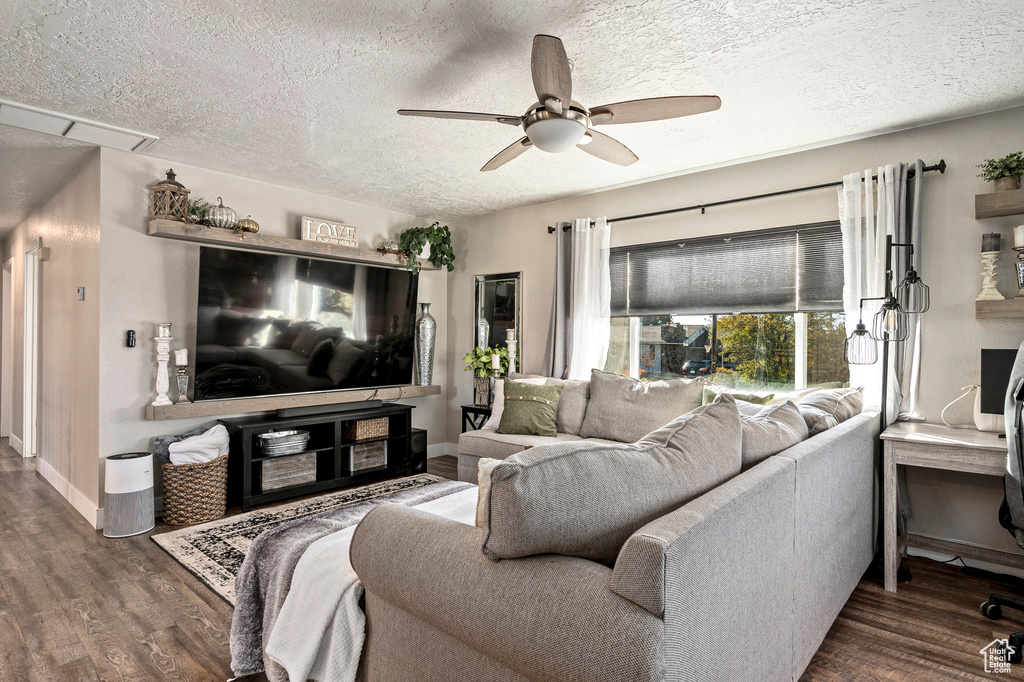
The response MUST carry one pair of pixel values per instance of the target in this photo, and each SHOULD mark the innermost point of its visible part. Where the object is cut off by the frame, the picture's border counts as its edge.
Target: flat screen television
(274, 325)
(996, 368)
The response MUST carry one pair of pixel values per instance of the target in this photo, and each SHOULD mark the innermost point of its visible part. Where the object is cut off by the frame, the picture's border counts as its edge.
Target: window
(671, 303)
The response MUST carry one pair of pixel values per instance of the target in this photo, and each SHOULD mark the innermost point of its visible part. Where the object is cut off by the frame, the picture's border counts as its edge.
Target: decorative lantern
(247, 224)
(222, 216)
(170, 199)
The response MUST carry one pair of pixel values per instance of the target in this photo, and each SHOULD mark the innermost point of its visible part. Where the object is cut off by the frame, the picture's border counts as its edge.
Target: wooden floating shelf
(999, 204)
(1011, 307)
(213, 236)
(214, 408)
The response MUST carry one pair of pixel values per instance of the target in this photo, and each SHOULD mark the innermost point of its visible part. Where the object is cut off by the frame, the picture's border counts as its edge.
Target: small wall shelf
(1011, 307)
(212, 236)
(214, 408)
(999, 204)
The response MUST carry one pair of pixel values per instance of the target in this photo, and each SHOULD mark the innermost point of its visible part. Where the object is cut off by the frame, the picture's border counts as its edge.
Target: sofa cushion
(572, 406)
(498, 405)
(307, 339)
(585, 499)
(529, 409)
(758, 399)
(345, 357)
(499, 445)
(624, 409)
(827, 408)
(770, 431)
(320, 358)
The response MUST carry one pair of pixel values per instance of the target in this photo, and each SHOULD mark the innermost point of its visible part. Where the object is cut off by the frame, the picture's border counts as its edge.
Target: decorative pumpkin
(222, 216)
(247, 224)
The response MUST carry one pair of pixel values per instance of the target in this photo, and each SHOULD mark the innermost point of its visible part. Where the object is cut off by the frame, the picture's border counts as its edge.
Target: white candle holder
(989, 292)
(163, 354)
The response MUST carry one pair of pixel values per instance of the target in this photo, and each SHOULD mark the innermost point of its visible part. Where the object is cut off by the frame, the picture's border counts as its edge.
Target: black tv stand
(328, 461)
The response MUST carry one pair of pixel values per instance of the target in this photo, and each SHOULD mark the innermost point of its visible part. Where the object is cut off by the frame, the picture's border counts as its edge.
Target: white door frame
(6, 349)
(31, 364)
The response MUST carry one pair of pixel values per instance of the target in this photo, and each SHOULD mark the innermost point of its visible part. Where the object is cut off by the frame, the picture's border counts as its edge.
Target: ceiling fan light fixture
(556, 134)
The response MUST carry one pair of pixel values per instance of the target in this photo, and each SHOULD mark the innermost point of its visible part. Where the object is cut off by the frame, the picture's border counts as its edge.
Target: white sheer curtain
(590, 297)
(866, 216)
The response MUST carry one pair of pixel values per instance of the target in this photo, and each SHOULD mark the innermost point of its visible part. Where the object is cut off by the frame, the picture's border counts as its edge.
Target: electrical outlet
(81, 293)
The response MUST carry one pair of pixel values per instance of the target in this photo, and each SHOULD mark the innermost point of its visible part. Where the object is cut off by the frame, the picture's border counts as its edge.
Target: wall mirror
(499, 308)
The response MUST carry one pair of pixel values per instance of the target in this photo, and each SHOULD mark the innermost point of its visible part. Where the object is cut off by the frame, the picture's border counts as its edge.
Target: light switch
(81, 293)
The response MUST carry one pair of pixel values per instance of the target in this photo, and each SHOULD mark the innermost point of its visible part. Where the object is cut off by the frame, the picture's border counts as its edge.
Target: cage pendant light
(891, 322)
(912, 294)
(860, 348)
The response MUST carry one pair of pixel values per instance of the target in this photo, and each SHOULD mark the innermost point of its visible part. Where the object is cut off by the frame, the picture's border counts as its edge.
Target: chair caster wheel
(991, 611)
(1016, 642)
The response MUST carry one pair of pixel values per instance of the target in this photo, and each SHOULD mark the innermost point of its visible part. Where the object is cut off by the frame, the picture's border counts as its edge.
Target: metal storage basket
(275, 443)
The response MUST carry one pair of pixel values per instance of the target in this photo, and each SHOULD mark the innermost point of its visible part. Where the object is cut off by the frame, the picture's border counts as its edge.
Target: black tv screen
(996, 368)
(274, 324)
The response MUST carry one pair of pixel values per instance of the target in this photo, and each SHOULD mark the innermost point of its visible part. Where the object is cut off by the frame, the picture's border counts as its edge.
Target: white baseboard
(438, 449)
(16, 443)
(78, 500)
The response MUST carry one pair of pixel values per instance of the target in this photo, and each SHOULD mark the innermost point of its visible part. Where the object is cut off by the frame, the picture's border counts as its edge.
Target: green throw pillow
(529, 409)
(710, 394)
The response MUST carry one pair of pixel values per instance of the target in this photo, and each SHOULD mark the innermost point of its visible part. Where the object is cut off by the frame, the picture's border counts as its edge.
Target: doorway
(31, 417)
(6, 349)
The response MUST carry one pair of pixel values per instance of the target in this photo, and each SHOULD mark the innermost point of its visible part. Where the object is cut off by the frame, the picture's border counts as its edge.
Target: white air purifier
(128, 509)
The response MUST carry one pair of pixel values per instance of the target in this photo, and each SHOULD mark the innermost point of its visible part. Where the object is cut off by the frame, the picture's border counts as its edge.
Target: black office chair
(1011, 511)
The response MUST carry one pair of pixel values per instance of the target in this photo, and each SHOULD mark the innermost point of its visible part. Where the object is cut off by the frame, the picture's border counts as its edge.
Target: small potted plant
(481, 362)
(1005, 172)
(438, 237)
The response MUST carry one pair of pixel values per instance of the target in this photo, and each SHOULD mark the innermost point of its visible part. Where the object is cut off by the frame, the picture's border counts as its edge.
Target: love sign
(329, 232)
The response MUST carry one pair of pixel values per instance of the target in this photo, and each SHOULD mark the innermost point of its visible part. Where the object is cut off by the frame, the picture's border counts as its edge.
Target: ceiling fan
(557, 123)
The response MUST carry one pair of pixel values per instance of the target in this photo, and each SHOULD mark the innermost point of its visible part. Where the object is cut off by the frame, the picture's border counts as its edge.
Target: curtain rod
(940, 166)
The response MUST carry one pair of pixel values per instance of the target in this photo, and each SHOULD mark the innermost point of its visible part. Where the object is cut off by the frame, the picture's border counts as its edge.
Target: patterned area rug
(213, 552)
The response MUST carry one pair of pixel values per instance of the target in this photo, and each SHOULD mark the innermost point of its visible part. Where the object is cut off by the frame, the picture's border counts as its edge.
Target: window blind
(782, 270)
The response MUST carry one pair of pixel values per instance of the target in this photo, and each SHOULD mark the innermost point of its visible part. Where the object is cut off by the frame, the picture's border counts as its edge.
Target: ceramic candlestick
(989, 292)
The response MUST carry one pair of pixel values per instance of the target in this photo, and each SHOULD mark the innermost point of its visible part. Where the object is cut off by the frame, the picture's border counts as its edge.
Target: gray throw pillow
(307, 339)
(586, 499)
(830, 407)
(572, 406)
(344, 359)
(624, 409)
(772, 430)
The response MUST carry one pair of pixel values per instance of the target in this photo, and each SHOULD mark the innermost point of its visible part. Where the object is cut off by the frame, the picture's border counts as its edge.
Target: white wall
(948, 505)
(146, 280)
(69, 225)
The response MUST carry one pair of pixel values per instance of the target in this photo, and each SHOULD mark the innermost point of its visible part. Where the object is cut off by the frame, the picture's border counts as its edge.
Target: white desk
(938, 447)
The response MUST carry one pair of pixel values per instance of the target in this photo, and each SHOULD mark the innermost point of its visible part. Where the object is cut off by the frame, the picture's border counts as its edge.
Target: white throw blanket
(205, 447)
(319, 633)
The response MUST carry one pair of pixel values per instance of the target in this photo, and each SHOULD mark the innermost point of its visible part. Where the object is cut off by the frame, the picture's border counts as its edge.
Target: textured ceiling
(32, 167)
(304, 92)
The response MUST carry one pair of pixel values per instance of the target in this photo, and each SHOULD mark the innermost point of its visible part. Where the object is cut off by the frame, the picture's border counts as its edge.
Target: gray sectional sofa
(741, 582)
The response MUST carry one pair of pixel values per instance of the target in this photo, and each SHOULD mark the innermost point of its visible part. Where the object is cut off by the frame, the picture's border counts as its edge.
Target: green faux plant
(197, 210)
(479, 361)
(438, 236)
(1010, 166)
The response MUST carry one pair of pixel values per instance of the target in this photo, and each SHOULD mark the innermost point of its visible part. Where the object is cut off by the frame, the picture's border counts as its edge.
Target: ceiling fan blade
(463, 115)
(552, 77)
(508, 153)
(654, 109)
(608, 149)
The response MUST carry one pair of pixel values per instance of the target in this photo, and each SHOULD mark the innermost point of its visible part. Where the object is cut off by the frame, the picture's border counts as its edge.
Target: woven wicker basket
(365, 429)
(195, 493)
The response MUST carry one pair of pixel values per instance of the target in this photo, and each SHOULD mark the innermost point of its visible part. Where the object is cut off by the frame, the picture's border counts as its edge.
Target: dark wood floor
(77, 606)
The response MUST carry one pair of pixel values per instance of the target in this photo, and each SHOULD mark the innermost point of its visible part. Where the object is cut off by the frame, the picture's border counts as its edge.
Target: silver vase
(426, 331)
